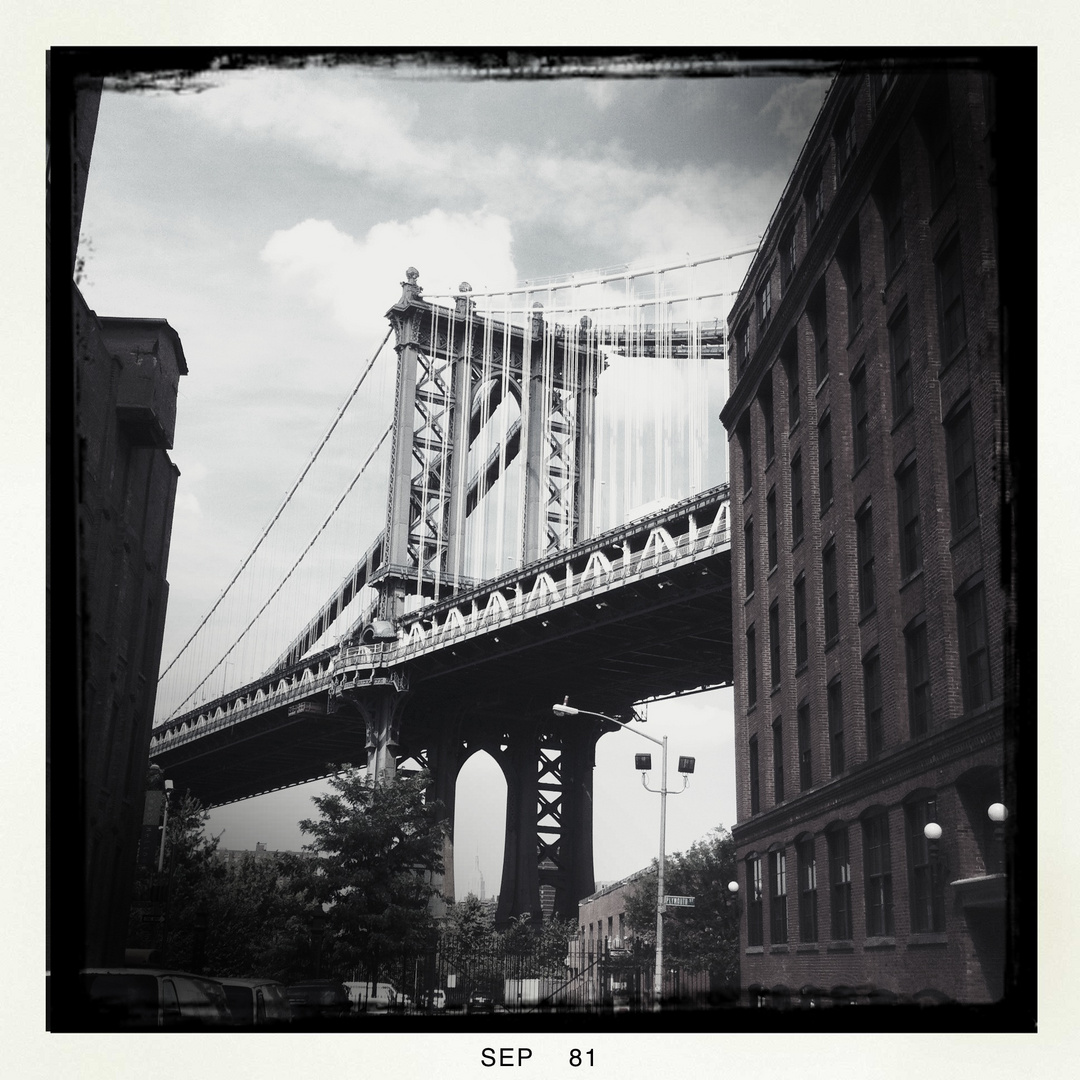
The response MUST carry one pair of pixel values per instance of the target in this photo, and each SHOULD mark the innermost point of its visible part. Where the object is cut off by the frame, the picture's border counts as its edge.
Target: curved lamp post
(644, 762)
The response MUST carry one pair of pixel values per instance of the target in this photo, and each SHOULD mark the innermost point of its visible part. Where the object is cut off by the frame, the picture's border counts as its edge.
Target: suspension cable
(281, 509)
(299, 560)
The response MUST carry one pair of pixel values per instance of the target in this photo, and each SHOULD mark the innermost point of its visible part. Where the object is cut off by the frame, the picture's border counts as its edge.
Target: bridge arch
(480, 834)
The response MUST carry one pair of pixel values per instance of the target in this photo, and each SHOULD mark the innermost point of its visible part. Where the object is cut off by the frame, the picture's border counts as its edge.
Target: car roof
(249, 982)
(146, 971)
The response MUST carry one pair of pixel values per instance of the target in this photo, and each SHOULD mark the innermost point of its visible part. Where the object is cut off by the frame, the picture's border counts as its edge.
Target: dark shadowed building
(870, 489)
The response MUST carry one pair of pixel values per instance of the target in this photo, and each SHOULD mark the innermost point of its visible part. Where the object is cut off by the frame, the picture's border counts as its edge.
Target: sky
(270, 217)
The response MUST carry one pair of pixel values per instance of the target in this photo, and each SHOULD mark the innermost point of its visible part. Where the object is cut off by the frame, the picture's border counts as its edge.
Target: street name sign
(679, 901)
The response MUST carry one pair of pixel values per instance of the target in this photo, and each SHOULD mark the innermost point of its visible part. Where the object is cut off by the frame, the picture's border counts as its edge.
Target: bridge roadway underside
(654, 638)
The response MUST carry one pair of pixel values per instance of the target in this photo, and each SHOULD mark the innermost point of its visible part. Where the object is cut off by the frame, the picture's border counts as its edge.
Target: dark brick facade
(127, 375)
(884, 314)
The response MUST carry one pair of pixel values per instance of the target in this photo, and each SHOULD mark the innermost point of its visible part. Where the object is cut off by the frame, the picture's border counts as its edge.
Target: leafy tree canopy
(704, 937)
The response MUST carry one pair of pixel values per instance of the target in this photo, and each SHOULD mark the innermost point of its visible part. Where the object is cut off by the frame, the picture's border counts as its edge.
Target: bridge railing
(690, 530)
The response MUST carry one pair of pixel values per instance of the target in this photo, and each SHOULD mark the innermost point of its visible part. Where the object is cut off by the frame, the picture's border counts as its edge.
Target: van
(122, 999)
(257, 1002)
(376, 997)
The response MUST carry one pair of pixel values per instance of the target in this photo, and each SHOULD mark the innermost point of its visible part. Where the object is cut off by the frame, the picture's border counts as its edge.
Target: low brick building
(868, 437)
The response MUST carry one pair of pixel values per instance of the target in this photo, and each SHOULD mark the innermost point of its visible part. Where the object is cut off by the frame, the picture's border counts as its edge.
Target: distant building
(603, 957)
(868, 435)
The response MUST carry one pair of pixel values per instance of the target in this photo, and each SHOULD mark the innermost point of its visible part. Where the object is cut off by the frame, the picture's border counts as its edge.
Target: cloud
(795, 105)
(365, 126)
(347, 276)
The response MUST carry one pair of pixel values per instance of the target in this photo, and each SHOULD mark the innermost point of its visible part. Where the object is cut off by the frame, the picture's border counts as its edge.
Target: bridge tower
(455, 367)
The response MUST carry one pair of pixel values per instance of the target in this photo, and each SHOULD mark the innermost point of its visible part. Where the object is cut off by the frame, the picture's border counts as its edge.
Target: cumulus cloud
(365, 126)
(348, 276)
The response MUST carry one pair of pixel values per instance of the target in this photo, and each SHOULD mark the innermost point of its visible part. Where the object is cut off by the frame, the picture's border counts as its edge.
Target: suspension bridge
(556, 523)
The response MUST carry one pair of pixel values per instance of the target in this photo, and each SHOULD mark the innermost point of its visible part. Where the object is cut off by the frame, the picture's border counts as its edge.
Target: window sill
(797, 542)
(868, 614)
(772, 570)
(968, 530)
(840, 946)
(775, 690)
(912, 577)
(778, 949)
(755, 950)
(862, 465)
(794, 428)
(747, 493)
(948, 364)
(880, 943)
(909, 411)
(806, 948)
(801, 670)
(854, 334)
(832, 643)
(749, 597)
(771, 461)
(826, 508)
(924, 938)
(891, 276)
(821, 384)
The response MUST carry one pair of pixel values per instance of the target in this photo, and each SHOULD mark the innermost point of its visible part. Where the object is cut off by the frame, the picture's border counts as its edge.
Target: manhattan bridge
(554, 525)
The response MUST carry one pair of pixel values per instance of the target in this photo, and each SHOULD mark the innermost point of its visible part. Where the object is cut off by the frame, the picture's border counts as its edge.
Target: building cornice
(910, 761)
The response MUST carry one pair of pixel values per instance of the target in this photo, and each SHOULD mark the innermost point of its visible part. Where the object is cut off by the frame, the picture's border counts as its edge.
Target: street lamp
(643, 762)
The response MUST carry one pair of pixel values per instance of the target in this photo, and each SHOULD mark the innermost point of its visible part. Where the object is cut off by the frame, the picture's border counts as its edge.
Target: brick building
(867, 438)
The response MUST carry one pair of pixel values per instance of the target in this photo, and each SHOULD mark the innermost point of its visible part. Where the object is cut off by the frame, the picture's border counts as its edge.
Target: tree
(377, 848)
(241, 919)
(706, 936)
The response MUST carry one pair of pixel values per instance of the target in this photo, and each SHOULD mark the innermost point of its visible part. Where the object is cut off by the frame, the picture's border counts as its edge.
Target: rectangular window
(743, 347)
(754, 888)
(860, 418)
(778, 760)
(836, 727)
(791, 369)
(907, 498)
(807, 863)
(755, 787)
(875, 728)
(774, 643)
(950, 302)
(801, 644)
(938, 131)
(974, 654)
(900, 351)
(751, 669)
(806, 770)
(864, 541)
(825, 483)
(918, 677)
(748, 555)
(877, 875)
(925, 883)
(851, 265)
(788, 261)
(960, 445)
(770, 527)
(840, 882)
(796, 499)
(890, 202)
(845, 142)
(747, 461)
(832, 603)
(778, 933)
(820, 327)
(764, 300)
(770, 434)
(815, 203)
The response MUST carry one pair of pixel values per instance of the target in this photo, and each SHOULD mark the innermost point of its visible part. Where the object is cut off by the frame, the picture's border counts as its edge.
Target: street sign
(679, 901)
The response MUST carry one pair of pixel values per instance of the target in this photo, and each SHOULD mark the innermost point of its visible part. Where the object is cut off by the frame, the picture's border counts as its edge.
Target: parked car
(480, 1003)
(257, 1002)
(377, 997)
(319, 999)
(145, 998)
